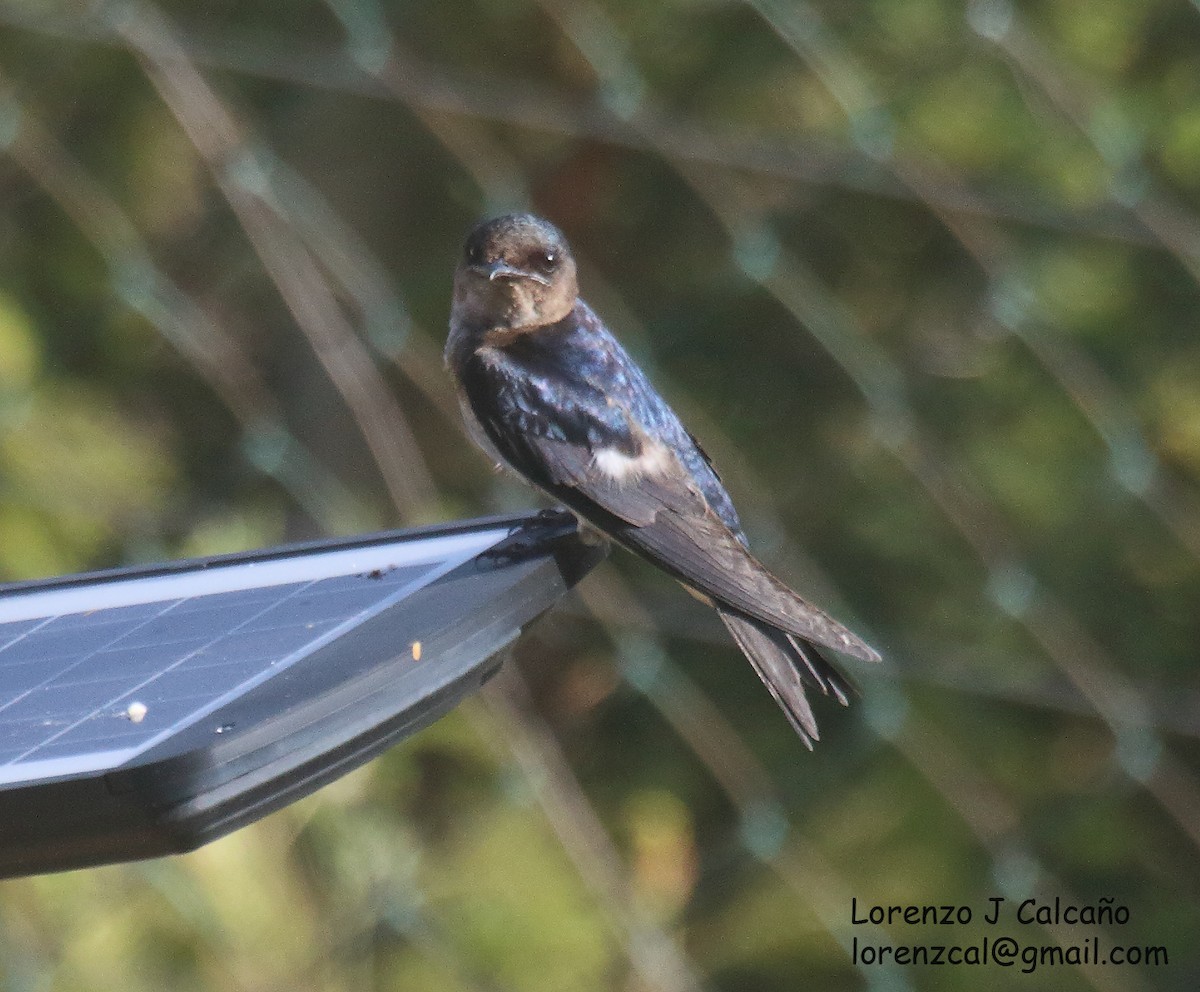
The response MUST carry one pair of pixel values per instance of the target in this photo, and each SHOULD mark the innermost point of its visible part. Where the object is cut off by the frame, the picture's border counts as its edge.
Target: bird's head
(516, 272)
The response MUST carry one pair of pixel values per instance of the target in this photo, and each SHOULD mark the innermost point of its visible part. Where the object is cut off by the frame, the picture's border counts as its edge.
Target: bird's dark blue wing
(550, 402)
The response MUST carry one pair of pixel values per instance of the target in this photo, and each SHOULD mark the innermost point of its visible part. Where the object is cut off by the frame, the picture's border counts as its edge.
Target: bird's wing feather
(570, 465)
(667, 520)
(549, 429)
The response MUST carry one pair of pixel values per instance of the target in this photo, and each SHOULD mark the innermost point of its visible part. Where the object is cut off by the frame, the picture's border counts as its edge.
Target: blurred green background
(923, 277)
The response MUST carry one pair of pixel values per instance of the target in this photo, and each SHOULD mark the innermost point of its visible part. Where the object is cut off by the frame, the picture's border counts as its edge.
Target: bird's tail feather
(785, 663)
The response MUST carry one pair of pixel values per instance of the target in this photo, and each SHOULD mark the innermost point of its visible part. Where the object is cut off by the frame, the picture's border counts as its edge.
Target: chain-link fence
(923, 278)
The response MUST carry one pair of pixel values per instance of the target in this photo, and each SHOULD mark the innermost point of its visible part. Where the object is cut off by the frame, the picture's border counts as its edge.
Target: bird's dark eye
(545, 261)
(474, 253)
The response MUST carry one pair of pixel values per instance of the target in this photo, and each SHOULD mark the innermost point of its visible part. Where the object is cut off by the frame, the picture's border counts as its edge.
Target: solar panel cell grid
(67, 681)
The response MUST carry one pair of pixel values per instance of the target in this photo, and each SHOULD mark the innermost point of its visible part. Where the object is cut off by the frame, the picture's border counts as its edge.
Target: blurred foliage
(922, 276)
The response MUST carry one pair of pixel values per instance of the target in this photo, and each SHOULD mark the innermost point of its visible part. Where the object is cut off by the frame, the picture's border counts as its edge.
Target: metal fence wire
(923, 277)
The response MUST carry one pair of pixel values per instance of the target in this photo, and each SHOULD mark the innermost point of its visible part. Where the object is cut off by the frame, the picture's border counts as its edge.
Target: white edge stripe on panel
(108, 594)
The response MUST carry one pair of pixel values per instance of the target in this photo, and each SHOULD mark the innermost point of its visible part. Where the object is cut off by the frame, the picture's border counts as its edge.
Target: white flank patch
(620, 467)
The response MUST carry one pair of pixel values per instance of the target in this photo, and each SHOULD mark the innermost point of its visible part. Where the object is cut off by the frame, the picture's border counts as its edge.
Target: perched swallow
(546, 390)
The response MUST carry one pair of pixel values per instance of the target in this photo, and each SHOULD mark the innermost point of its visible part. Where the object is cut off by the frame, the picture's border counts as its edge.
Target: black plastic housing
(357, 693)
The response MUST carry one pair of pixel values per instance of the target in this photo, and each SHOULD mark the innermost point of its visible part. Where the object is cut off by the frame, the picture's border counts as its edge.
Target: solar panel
(149, 710)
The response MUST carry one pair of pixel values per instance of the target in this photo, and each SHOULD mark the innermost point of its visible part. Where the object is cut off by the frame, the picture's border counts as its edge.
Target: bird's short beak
(502, 270)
